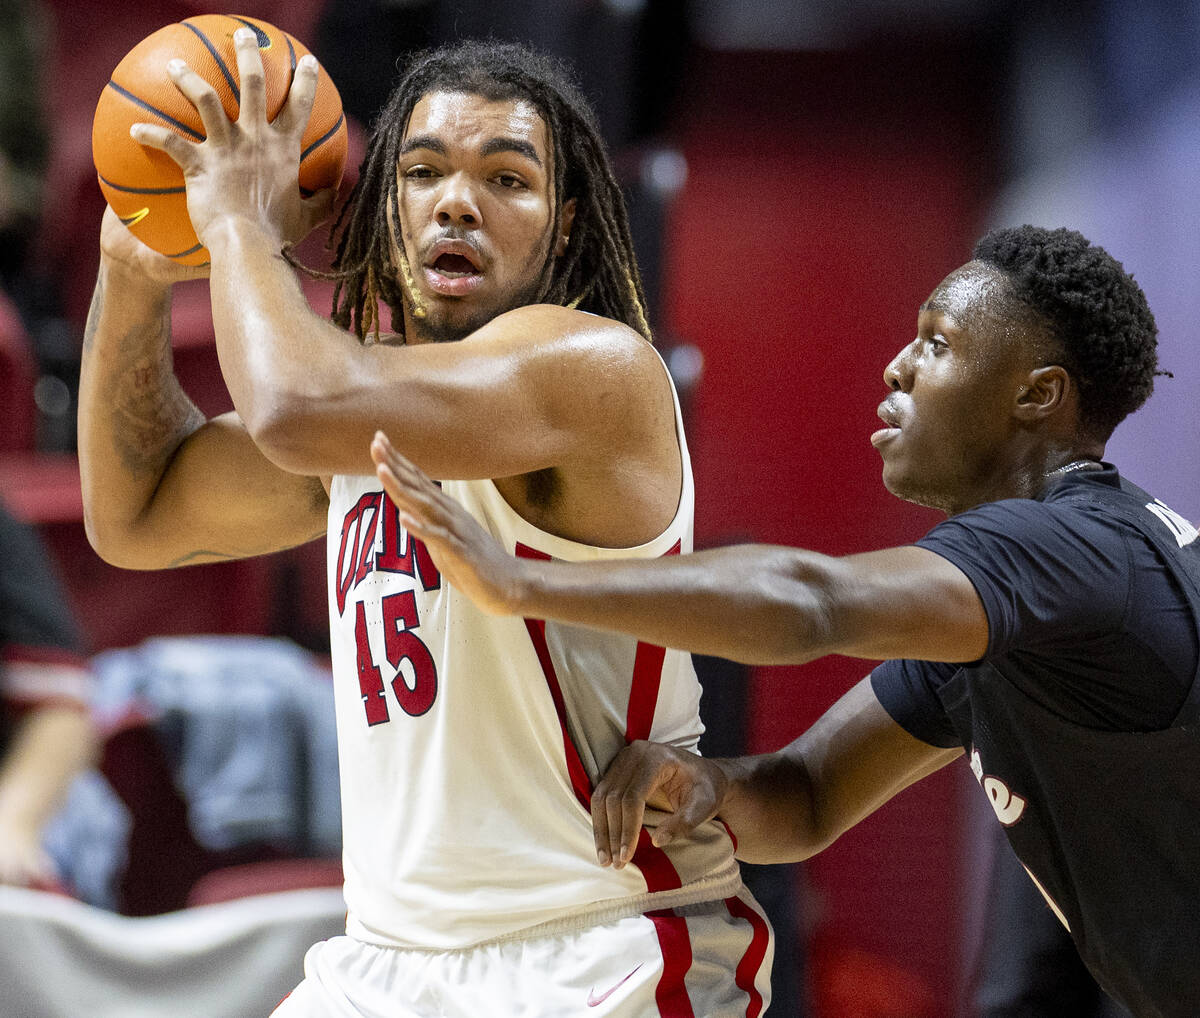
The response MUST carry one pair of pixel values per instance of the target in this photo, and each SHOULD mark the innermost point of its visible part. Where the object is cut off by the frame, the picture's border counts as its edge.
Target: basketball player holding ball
(521, 374)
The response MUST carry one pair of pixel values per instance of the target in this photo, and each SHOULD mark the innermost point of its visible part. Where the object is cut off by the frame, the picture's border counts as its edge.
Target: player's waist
(466, 928)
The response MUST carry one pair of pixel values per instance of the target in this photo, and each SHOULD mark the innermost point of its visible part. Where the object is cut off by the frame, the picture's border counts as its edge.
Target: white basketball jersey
(469, 744)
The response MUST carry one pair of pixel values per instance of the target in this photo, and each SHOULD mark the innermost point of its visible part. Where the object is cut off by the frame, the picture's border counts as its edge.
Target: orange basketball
(145, 186)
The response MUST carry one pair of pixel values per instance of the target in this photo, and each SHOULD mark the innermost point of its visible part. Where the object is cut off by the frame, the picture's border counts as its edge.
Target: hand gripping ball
(144, 186)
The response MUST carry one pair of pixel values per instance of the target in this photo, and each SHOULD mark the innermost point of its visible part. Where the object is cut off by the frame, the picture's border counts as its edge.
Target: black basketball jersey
(1107, 821)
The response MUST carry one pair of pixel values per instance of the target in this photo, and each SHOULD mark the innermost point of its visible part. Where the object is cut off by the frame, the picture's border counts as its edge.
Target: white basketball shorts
(710, 960)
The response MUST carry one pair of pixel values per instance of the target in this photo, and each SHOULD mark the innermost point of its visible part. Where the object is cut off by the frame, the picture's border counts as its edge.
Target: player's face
(476, 200)
(949, 415)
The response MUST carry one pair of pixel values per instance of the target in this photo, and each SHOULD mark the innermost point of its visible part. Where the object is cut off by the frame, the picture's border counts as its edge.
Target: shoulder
(1029, 524)
(1044, 571)
(569, 328)
(578, 353)
(1017, 542)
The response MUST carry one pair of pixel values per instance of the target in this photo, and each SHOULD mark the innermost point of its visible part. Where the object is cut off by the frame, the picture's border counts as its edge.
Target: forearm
(769, 807)
(757, 604)
(282, 363)
(49, 748)
(133, 414)
(791, 804)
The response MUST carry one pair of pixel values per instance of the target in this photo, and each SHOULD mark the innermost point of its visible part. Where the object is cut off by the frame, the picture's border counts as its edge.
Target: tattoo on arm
(202, 555)
(153, 412)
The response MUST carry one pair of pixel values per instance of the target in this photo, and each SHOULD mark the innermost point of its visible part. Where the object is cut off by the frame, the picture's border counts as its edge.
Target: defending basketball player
(1048, 629)
(487, 220)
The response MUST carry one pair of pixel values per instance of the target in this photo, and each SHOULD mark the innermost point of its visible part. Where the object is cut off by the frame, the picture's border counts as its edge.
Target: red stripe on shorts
(671, 994)
(751, 963)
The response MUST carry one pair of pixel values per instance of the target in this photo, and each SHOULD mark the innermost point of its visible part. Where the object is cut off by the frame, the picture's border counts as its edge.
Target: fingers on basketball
(144, 186)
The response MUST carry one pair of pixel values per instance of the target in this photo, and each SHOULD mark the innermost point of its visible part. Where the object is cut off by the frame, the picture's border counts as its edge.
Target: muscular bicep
(535, 388)
(220, 498)
(792, 804)
(905, 602)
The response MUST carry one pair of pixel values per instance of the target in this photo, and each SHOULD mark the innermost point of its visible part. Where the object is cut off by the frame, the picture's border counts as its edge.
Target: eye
(509, 180)
(938, 345)
(420, 172)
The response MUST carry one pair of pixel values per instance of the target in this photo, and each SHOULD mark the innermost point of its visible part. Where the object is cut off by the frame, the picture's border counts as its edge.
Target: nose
(898, 374)
(456, 205)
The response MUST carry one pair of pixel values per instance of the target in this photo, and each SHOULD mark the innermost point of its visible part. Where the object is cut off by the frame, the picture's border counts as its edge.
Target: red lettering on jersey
(401, 644)
(389, 558)
(357, 537)
(370, 682)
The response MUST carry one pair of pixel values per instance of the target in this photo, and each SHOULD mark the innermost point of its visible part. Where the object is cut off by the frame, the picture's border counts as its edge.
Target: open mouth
(453, 269)
(454, 266)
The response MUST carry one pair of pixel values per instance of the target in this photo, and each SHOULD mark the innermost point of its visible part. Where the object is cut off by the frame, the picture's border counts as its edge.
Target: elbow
(284, 426)
(792, 609)
(114, 542)
(812, 599)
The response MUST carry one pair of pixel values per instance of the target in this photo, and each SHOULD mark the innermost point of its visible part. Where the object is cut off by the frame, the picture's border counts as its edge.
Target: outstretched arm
(782, 806)
(759, 604)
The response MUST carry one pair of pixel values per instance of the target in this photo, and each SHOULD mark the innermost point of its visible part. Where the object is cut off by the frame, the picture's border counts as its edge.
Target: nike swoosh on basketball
(594, 1001)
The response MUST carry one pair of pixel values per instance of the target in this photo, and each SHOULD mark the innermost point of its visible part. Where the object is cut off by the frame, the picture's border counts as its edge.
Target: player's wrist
(233, 231)
(526, 590)
(132, 281)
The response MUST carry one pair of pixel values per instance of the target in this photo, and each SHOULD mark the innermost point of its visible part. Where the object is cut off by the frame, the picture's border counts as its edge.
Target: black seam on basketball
(324, 138)
(229, 80)
(189, 131)
(184, 254)
(291, 54)
(141, 190)
(261, 39)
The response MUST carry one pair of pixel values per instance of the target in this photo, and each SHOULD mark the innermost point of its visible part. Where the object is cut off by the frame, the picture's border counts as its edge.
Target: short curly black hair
(1096, 314)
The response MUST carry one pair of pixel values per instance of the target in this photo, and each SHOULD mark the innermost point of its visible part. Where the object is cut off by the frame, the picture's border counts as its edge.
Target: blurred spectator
(46, 734)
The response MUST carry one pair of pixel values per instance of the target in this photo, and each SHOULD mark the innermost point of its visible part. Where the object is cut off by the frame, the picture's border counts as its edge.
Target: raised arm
(782, 806)
(163, 486)
(536, 388)
(759, 604)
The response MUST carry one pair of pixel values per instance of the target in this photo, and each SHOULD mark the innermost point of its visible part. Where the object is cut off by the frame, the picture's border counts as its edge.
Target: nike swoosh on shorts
(594, 1001)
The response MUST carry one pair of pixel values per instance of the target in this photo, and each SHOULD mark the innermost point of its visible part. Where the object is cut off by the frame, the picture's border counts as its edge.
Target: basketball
(144, 186)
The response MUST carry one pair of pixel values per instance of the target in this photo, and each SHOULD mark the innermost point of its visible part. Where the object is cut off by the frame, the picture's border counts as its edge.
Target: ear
(1044, 392)
(564, 227)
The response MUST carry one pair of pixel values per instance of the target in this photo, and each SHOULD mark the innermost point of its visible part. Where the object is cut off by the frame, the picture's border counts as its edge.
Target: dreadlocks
(598, 272)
